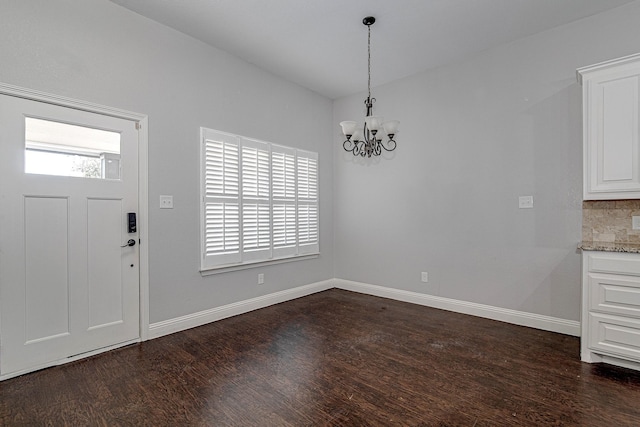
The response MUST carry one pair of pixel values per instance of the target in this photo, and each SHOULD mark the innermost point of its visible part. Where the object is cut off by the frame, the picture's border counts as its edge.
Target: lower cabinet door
(614, 335)
(615, 295)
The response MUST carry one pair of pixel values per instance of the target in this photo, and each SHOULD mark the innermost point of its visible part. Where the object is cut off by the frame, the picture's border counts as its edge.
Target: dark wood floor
(335, 358)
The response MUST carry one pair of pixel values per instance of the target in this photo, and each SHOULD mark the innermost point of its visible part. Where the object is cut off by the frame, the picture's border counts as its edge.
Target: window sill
(248, 265)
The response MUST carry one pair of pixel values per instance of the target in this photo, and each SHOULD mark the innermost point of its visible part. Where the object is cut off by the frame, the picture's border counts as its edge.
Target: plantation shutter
(283, 184)
(256, 200)
(259, 201)
(221, 199)
(308, 220)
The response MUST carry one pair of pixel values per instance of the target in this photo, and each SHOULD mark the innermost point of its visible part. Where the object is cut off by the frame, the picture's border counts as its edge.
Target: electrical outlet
(635, 222)
(525, 202)
(166, 202)
(261, 279)
(425, 277)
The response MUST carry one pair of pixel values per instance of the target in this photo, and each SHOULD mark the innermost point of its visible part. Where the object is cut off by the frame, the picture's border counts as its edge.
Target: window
(259, 201)
(54, 148)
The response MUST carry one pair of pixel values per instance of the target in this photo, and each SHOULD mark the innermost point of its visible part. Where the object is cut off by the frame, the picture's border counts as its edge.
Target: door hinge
(138, 126)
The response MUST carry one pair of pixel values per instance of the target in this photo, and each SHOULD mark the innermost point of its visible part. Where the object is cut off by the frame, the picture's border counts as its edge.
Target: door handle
(131, 242)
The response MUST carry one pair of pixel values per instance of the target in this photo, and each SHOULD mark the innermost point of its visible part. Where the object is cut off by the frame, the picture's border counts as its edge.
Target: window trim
(255, 264)
(302, 251)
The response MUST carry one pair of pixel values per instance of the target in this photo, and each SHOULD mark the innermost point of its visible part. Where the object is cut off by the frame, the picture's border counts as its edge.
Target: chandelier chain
(369, 62)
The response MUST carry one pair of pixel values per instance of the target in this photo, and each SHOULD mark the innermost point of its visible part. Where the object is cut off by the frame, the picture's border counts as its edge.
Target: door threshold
(66, 360)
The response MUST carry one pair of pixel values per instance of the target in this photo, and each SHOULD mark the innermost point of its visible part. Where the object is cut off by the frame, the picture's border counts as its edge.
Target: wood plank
(335, 358)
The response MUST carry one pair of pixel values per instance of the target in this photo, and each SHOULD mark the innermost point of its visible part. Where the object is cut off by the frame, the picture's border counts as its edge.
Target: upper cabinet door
(611, 129)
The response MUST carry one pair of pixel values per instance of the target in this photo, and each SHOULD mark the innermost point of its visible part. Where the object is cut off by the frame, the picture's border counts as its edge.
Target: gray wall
(474, 136)
(99, 52)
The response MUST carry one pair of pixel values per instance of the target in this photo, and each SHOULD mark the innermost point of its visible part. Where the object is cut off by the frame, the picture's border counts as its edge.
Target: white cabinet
(611, 308)
(611, 107)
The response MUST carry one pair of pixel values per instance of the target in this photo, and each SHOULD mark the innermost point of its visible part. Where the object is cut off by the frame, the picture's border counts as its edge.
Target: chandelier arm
(392, 145)
(356, 149)
(347, 143)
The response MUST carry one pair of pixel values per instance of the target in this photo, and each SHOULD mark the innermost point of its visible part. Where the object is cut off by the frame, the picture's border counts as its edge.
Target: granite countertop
(610, 247)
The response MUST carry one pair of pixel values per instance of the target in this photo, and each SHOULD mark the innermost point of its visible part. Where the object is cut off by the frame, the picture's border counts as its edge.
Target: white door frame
(143, 177)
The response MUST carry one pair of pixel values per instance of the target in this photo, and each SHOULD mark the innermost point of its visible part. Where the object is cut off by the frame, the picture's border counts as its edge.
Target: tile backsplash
(609, 221)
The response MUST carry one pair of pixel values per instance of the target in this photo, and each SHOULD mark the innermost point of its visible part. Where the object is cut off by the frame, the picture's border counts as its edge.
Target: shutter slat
(308, 219)
(255, 172)
(307, 224)
(222, 232)
(283, 176)
(284, 225)
(256, 227)
(256, 216)
(221, 168)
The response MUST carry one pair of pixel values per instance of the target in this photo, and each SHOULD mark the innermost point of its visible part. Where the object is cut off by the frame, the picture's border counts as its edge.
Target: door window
(55, 148)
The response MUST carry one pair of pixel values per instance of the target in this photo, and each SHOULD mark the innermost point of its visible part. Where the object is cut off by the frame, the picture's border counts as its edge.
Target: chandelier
(371, 140)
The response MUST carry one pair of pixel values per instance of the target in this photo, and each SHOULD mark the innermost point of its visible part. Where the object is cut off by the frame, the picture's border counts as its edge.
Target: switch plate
(525, 202)
(166, 202)
(635, 222)
(261, 279)
(424, 277)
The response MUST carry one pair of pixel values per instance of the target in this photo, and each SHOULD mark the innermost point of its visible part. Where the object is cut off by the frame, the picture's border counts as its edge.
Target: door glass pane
(54, 148)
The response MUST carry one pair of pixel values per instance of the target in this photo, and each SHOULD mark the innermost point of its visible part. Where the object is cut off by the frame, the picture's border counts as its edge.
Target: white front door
(69, 283)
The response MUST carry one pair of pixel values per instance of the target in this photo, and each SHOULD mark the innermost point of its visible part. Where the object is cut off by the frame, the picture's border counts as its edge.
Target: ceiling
(322, 44)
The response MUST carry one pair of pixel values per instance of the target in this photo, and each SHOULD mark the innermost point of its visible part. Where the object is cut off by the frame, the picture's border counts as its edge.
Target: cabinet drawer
(614, 263)
(614, 335)
(614, 294)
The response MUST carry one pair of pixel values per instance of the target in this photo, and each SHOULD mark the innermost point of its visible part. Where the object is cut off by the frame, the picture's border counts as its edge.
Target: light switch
(635, 222)
(166, 202)
(525, 202)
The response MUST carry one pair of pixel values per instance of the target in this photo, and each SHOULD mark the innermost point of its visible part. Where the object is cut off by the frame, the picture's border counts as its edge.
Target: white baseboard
(537, 321)
(200, 318)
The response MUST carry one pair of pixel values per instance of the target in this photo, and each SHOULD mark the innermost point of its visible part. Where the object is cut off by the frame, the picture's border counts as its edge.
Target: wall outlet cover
(525, 202)
(166, 202)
